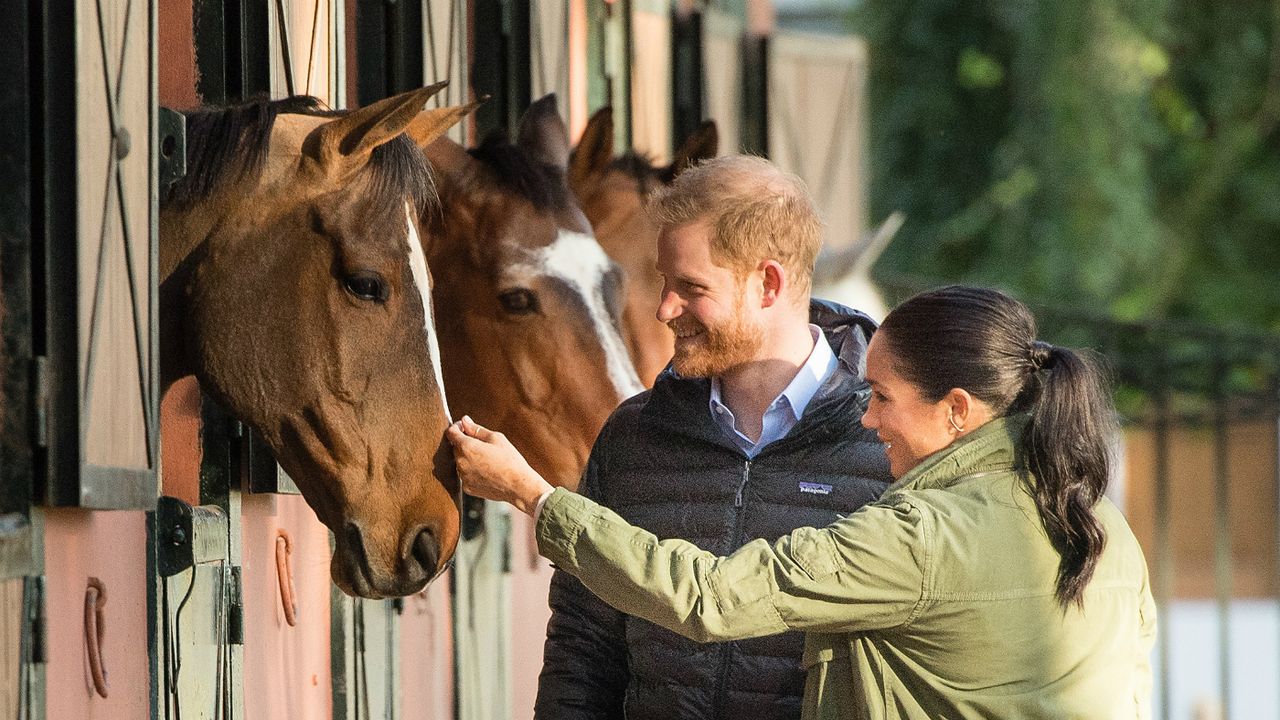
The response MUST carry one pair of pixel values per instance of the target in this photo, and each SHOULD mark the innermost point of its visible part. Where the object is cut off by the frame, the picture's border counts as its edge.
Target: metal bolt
(123, 143)
(178, 536)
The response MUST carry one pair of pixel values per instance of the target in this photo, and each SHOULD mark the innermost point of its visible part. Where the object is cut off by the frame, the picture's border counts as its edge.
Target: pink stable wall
(286, 668)
(111, 546)
(426, 654)
(530, 579)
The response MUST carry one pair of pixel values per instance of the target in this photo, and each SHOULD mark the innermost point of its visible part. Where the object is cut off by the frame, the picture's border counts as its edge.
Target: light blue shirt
(786, 409)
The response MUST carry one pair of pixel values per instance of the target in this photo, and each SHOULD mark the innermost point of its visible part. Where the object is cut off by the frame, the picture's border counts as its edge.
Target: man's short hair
(756, 211)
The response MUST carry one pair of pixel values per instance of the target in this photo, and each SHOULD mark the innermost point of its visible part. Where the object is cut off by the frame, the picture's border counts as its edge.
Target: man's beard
(718, 349)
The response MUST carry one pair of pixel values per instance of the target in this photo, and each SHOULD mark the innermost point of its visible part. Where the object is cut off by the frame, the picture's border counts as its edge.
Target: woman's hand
(491, 468)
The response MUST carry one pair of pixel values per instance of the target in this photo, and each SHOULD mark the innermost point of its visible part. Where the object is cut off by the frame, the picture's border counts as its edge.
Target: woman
(992, 580)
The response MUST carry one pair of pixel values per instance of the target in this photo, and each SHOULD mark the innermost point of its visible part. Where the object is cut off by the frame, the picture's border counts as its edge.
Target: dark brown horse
(613, 192)
(295, 287)
(529, 303)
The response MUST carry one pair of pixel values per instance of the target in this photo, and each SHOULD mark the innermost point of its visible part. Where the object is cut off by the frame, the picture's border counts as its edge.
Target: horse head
(295, 287)
(613, 192)
(529, 302)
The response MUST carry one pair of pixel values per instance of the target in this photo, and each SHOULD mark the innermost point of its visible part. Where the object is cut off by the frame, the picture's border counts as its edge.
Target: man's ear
(775, 282)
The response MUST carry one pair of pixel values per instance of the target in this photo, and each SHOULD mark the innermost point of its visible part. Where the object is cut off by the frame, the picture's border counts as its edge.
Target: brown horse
(529, 303)
(294, 285)
(613, 192)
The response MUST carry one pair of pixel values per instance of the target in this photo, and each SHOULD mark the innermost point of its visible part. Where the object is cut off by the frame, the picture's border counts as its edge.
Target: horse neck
(182, 238)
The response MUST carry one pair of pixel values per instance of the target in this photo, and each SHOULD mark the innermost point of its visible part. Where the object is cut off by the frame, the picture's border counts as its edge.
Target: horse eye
(519, 301)
(366, 286)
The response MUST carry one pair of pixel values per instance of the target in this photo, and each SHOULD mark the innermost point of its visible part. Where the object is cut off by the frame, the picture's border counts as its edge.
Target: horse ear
(344, 144)
(543, 133)
(595, 149)
(701, 145)
(431, 124)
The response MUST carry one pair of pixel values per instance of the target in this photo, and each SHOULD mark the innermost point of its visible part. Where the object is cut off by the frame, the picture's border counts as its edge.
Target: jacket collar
(991, 447)
(679, 404)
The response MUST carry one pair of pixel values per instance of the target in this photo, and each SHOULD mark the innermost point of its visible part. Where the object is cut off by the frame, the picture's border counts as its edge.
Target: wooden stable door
(817, 124)
(91, 335)
(722, 70)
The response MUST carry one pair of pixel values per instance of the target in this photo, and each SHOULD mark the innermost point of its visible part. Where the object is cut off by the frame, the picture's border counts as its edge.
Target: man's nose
(670, 307)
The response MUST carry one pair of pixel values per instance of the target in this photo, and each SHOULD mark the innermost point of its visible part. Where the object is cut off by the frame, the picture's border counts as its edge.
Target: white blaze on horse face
(422, 279)
(577, 259)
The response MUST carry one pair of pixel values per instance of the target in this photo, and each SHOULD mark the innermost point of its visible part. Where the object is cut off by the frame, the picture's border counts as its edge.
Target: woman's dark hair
(984, 342)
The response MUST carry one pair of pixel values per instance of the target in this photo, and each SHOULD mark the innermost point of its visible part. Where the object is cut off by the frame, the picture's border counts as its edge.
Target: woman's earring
(959, 429)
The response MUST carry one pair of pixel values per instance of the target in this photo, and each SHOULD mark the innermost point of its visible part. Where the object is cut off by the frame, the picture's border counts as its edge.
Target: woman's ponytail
(1066, 447)
(985, 342)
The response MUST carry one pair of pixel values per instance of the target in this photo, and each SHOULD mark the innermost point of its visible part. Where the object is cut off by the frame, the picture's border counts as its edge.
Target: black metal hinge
(235, 608)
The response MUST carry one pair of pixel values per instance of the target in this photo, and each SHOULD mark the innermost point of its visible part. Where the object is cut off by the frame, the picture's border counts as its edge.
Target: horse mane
(229, 144)
(515, 170)
(641, 167)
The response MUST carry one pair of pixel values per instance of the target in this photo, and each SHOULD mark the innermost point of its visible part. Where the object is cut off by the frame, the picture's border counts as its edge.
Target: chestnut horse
(613, 192)
(529, 303)
(294, 285)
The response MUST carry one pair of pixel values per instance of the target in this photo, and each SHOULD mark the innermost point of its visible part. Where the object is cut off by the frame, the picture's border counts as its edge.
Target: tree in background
(1120, 155)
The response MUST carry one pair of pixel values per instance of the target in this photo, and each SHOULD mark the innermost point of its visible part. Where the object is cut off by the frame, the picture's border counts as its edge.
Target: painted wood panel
(110, 546)
(286, 668)
(530, 585)
(114, 100)
(482, 619)
(10, 646)
(549, 49)
(818, 124)
(722, 76)
(651, 82)
(426, 653)
(445, 56)
(314, 33)
(1251, 452)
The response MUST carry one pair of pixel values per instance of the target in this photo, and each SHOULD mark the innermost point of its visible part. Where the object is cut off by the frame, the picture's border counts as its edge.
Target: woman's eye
(366, 286)
(520, 301)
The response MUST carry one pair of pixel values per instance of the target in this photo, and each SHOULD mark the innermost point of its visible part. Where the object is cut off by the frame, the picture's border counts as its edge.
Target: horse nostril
(426, 551)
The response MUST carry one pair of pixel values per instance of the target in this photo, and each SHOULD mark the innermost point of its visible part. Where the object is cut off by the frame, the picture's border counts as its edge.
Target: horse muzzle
(360, 572)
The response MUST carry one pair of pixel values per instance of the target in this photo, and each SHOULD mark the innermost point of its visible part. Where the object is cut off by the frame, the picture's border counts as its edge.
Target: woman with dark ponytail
(993, 579)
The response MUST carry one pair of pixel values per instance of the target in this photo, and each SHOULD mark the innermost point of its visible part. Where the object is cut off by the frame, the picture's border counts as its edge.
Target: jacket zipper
(727, 651)
(737, 499)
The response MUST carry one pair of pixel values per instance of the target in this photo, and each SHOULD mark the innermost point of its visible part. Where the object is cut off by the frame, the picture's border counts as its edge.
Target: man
(751, 432)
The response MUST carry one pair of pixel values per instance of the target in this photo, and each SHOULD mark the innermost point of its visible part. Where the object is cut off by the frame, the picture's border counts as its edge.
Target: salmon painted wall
(111, 546)
(286, 668)
(530, 581)
(426, 653)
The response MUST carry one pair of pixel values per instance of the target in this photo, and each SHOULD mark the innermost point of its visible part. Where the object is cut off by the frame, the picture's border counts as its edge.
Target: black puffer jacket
(664, 465)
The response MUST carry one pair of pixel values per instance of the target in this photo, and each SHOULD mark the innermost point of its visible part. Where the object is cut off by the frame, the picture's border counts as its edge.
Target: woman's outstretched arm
(864, 572)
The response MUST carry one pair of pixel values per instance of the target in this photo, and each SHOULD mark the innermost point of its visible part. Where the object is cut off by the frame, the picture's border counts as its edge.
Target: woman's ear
(960, 410)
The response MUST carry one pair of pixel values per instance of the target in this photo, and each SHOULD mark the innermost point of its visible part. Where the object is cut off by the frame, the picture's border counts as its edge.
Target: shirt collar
(817, 368)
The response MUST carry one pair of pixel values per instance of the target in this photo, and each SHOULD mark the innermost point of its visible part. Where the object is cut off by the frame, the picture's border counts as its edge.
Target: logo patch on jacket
(815, 488)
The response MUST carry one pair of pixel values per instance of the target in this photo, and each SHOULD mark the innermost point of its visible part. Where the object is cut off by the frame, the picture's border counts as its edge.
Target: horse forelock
(230, 144)
(515, 170)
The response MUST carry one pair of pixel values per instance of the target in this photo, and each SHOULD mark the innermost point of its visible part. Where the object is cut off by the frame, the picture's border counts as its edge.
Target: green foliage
(1119, 155)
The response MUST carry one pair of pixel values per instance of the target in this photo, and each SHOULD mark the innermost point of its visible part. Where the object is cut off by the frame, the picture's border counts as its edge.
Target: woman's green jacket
(935, 602)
